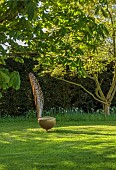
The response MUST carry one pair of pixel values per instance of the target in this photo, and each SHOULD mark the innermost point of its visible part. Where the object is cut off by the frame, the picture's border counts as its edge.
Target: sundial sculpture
(46, 122)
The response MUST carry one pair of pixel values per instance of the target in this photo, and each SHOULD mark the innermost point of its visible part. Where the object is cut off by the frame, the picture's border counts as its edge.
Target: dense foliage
(57, 94)
(68, 37)
(43, 27)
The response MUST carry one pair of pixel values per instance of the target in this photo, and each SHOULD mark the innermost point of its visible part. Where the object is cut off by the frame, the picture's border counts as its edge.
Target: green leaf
(0, 95)
(79, 51)
(84, 75)
(97, 10)
(2, 50)
(100, 30)
(80, 63)
(104, 12)
(106, 32)
(5, 86)
(4, 77)
(31, 10)
(15, 80)
(19, 59)
(2, 60)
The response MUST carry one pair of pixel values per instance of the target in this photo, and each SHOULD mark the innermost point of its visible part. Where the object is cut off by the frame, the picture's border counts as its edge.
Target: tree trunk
(106, 109)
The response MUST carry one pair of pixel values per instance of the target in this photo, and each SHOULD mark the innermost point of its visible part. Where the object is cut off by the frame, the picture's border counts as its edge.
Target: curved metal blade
(37, 93)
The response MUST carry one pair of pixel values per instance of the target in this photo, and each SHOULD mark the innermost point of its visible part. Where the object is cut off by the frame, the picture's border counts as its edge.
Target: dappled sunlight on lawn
(65, 146)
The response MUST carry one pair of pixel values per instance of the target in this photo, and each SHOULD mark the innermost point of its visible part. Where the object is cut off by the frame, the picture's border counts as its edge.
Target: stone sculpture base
(47, 122)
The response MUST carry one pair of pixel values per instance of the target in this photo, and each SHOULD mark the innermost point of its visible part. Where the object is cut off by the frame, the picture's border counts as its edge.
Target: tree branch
(97, 94)
(112, 87)
(113, 93)
(83, 89)
(99, 88)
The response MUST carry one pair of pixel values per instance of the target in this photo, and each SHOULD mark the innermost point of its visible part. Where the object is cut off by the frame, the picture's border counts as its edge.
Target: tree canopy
(76, 33)
(46, 26)
(16, 29)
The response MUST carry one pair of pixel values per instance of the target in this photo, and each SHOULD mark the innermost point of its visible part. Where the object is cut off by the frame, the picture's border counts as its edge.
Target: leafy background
(56, 93)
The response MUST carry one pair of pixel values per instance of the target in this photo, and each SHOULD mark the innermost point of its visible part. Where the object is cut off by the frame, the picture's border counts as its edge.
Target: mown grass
(73, 144)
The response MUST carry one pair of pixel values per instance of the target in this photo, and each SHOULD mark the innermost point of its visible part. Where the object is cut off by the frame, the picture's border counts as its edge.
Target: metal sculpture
(45, 122)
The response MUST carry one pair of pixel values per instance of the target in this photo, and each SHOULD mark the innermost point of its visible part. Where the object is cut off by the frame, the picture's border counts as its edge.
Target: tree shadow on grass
(78, 147)
(67, 131)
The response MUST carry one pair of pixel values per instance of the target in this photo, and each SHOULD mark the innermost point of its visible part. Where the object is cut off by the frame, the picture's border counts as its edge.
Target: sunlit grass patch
(70, 145)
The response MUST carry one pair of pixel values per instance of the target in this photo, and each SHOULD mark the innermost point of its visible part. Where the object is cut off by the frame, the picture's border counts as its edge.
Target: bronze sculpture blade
(38, 94)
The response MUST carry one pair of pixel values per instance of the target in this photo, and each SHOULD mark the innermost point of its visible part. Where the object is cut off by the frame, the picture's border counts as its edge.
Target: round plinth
(47, 122)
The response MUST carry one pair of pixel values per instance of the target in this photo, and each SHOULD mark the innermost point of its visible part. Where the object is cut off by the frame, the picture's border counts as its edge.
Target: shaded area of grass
(71, 145)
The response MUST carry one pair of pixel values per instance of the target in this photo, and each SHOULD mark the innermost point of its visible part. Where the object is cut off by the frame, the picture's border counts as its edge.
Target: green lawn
(71, 145)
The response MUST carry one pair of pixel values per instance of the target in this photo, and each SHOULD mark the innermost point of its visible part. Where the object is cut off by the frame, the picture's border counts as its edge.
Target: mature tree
(81, 36)
(96, 63)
